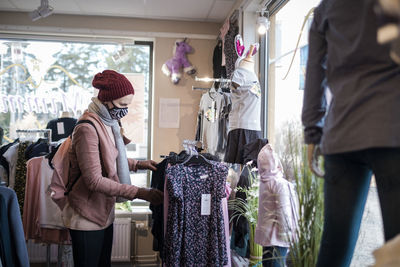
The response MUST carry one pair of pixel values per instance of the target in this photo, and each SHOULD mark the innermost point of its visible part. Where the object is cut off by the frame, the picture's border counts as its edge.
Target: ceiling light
(263, 23)
(42, 11)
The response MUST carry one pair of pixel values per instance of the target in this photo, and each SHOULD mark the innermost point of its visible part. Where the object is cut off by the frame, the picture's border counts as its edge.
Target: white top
(49, 212)
(11, 156)
(246, 101)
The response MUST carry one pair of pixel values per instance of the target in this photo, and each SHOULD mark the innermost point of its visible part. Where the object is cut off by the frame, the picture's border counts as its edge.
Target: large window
(43, 80)
(286, 78)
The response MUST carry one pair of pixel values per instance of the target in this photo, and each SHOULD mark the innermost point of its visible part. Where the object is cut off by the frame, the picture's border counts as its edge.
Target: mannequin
(66, 114)
(61, 127)
(248, 61)
(244, 118)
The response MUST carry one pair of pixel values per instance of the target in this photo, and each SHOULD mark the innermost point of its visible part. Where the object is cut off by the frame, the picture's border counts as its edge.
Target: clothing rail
(194, 88)
(47, 132)
(47, 135)
(34, 131)
(206, 79)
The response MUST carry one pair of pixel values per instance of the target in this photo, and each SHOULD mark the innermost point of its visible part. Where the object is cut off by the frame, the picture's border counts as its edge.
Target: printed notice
(169, 113)
(60, 128)
(205, 204)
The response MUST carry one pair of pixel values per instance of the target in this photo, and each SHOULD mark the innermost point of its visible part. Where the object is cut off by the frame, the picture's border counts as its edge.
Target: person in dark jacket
(358, 131)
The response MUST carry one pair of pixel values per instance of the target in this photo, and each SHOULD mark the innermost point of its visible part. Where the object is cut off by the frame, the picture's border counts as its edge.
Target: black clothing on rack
(37, 149)
(157, 181)
(219, 71)
(65, 125)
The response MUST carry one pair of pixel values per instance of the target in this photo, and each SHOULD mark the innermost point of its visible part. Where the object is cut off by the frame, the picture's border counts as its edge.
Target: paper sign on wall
(169, 113)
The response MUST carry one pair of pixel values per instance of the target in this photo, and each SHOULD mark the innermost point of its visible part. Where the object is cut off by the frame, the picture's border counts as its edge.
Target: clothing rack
(194, 88)
(206, 79)
(47, 136)
(46, 132)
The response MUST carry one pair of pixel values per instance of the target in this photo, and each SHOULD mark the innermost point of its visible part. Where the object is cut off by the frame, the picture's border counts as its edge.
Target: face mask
(117, 113)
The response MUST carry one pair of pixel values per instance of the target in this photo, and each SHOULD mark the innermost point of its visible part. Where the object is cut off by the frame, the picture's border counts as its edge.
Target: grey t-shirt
(246, 101)
(212, 104)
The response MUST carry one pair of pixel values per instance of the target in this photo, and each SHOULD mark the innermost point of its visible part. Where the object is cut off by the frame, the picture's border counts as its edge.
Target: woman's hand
(152, 195)
(146, 165)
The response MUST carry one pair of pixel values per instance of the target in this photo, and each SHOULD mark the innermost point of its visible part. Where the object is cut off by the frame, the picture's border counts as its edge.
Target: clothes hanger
(194, 157)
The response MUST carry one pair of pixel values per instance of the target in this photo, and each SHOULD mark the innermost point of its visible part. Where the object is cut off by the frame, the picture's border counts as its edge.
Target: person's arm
(314, 102)
(86, 142)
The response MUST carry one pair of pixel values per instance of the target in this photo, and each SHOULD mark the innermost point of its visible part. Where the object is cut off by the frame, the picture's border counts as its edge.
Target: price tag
(205, 204)
(60, 128)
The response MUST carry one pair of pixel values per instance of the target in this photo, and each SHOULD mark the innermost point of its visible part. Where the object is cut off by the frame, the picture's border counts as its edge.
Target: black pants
(92, 248)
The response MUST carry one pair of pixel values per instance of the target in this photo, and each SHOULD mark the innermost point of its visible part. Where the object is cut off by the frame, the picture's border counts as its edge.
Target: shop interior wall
(164, 140)
(97, 25)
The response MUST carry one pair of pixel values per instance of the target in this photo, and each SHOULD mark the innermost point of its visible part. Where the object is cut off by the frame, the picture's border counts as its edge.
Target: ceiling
(193, 10)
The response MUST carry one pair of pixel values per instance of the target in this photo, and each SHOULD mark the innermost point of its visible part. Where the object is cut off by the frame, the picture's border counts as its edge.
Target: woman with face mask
(98, 151)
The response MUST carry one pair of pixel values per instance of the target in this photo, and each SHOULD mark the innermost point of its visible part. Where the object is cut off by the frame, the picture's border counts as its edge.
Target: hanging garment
(37, 149)
(41, 217)
(217, 60)
(229, 49)
(212, 107)
(14, 251)
(11, 156)
(158, 181)
(20, 174)
(192, 191)
(222, 34)
(4, 165)
(223, 127)
(61, 128)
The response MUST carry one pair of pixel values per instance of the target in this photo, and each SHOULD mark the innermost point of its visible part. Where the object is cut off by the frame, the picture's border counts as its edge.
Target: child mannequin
(244, 118)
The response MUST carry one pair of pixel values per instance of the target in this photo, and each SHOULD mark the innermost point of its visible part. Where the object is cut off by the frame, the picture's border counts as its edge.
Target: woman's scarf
(122, 161)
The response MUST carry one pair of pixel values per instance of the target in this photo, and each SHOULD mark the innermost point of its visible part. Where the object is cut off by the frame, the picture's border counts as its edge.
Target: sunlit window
(43, 80)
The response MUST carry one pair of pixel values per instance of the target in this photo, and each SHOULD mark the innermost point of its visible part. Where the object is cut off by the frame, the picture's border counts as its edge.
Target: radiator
(121, 250)
(38, 252)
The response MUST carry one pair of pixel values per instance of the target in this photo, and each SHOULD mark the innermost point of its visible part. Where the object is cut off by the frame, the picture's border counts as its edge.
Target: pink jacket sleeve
(86, 143)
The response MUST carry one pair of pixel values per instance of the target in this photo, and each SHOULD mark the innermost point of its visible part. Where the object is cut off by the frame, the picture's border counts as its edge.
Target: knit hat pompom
(112, 85)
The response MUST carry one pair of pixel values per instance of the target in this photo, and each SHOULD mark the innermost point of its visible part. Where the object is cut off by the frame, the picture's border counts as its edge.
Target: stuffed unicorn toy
(172, 67)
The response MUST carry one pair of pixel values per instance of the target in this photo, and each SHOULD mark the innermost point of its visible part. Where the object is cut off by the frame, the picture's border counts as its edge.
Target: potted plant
(249, 209)
(304, 249)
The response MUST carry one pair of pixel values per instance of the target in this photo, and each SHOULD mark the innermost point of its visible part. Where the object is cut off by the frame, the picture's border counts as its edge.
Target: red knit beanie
(112, 85)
